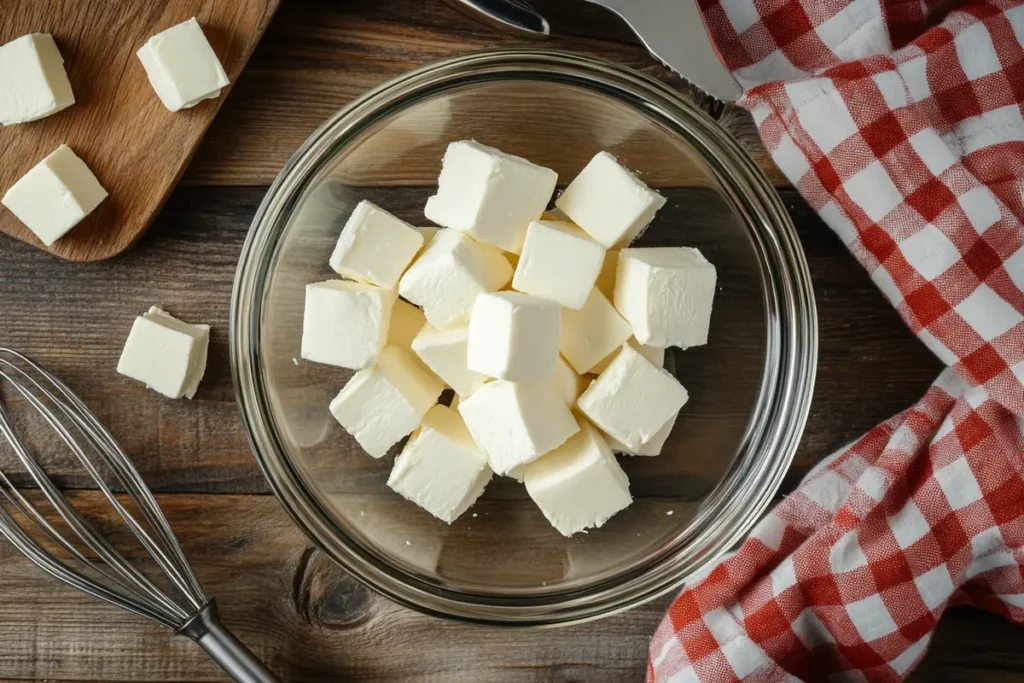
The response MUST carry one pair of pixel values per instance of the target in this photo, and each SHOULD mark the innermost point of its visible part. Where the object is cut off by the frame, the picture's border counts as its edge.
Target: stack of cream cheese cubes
(550, 330)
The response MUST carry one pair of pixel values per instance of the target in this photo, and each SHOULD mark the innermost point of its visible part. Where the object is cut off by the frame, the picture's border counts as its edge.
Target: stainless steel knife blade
(674, 31)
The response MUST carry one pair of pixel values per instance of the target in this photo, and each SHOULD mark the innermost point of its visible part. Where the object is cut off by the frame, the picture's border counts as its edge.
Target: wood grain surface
(303, 615)
(118, 125)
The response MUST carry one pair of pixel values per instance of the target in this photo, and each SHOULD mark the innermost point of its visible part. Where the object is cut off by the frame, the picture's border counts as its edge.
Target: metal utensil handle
(206, 629)
(511, 15)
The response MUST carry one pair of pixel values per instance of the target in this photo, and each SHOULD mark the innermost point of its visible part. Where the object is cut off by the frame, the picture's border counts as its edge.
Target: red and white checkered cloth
(906, 135)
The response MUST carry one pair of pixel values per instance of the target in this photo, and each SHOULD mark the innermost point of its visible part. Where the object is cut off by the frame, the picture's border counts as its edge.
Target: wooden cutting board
(118, 126)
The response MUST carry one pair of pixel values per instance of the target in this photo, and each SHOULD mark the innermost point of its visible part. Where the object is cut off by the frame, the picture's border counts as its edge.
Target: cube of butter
(446, 279)
(490, 195)
(569, 384)
(345, 323)
(633, 399)
(385, 402)
(652, 353)
(441, 468)
(55, 195)
(559, 262)
(33, 83)
(182, 67)
(649, 448)
(444, 352)
(666, 294)
(579, 485)
(165, 354)
(517, 422)
(609, 202)
(375, 247)
(514, 336)
(606, 278)
(592, 333)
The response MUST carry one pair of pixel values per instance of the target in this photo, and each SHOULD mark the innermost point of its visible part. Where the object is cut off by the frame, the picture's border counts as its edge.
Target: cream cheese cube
(579, 485)
(649, 448)
(182, 67)
(345, 323)
(428, 233)
(55, 195)
(444, 352)
(666, 294)
(385, 402)
(606, 278)
(569, 384)
(592, 333)
(633, 399)
(558, 262)
(446, 279)
(406, 323)
(490, 195)
(165, 354)
(652, 353)
(375, 247)
(517, 422)
(610, 203)
(441, 468)
(33, 82)
(514, 336)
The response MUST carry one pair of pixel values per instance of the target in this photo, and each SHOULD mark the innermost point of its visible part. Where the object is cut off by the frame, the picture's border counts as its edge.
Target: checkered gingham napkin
(903, 129)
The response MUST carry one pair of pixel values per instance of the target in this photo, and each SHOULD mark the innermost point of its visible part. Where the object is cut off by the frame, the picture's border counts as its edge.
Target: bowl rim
(790, 371)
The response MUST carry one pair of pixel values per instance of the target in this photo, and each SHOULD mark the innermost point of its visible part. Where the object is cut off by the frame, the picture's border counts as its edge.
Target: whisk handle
(206, 629)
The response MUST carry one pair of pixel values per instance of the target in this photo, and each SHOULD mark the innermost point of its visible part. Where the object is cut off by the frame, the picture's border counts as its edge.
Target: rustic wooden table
(306, 618)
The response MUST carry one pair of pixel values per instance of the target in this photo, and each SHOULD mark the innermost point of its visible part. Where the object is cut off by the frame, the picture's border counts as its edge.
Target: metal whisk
(89, 562)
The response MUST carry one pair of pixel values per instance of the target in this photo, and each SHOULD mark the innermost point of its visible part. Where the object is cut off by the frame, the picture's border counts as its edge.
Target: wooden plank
(870, 366)
(311, 622)
(118, 126)
(317, 57)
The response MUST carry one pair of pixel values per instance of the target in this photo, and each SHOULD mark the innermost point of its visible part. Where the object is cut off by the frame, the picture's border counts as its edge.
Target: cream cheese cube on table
(33, 82)
(517, 422)
(375, 247)
(490, 195)
(652, 353)
(441, 468)
(514, 336)
(593, 332)
(666, 294)
(609, 202)
(649, 448)
(345, 323)
(55, 195)
(447, 277)
(558, 262)
(444, 352)
(633, 399)
(165, 354)
(182, 67)
(569, 384)
(385, 402)
(579, 485)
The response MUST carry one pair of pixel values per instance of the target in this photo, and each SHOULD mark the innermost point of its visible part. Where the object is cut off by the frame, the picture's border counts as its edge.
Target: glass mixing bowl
(501, 562)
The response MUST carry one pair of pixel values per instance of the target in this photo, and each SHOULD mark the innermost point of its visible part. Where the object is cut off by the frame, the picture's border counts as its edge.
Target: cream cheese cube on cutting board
(345, 323)
(632, 399)
(514, 336)
(558, 262)
(666, 294)
(385, 402)
(375, 247)
(33, 82)
(517, 422)
(182, 67)
(55, 195)
(444, 352)
(447, 277)
(609, 202)
(441, 468)
(165, 354)
(490, 195)
(579, 485)
(593, 332)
